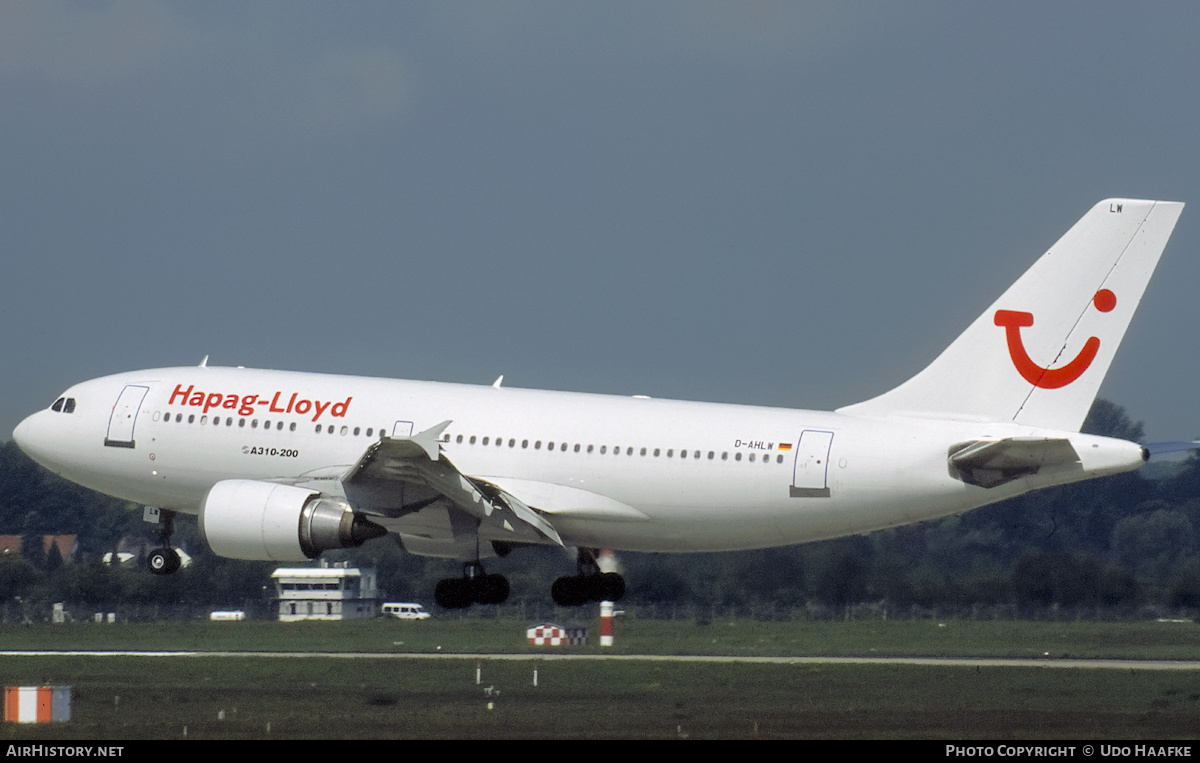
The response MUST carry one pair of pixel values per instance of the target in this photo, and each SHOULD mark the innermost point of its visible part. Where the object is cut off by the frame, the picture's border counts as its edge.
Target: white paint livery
(459, 470)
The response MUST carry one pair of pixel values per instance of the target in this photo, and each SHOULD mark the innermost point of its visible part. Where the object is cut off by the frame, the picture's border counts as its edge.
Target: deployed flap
(988, 463)
(417, 461)
(564, 501)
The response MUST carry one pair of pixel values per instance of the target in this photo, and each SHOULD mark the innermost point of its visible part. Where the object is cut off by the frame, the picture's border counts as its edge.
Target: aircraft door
(124, 416)
(810, 476)
(402, 429)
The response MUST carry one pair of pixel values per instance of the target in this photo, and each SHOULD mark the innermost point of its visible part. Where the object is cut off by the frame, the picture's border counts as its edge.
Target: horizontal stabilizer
(989, 463)
(1159, 448)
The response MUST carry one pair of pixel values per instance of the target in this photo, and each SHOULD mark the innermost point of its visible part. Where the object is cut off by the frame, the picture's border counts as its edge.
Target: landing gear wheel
(611, 586)
(589, 585)
(491, 589)
(163, 561)
(460, 593)
(454, 593)
(569, 591)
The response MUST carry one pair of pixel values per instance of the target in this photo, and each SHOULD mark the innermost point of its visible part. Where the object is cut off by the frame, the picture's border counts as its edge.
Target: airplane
(282, 466)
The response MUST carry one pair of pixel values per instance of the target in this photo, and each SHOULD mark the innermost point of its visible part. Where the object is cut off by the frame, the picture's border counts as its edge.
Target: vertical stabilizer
(1037, 356)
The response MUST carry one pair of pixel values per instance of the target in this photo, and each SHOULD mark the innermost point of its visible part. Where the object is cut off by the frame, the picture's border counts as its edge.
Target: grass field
(206, 697)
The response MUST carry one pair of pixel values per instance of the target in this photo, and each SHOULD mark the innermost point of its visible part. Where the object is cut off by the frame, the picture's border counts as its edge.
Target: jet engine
(264, 521)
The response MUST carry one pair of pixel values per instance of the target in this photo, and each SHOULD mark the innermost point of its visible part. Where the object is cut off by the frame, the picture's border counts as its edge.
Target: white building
(325, 593)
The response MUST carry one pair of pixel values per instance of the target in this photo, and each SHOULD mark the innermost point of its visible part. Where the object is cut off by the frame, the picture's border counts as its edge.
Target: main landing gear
(474, 587)
(163, 560)
(590, 584)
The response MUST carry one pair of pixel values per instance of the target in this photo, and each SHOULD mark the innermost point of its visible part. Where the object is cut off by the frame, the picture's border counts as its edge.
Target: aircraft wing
(988, 463)
(399, 475)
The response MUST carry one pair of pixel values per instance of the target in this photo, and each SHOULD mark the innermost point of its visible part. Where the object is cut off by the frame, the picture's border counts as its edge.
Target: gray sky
(780, 203)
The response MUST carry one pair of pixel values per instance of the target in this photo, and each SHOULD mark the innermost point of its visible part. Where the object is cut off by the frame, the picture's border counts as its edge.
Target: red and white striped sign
(37, 704)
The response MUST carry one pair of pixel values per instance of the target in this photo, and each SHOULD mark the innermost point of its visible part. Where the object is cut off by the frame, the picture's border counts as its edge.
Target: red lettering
(303, 406)
(197, 399)
(275, 400)
(339, 409)
(320, 409)
(212, 401)
(180, 392)
(291, 402)
(247, 408)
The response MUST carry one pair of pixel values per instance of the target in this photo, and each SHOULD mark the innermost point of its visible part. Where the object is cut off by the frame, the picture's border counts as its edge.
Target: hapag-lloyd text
(248, 405)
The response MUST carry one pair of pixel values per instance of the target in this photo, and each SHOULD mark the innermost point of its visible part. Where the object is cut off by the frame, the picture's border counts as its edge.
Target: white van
(404, 611)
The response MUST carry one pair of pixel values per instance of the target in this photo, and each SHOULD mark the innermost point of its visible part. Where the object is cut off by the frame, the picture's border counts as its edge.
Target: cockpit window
(64, 405)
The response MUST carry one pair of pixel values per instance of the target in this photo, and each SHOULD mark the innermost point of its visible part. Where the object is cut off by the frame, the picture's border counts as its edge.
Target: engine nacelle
(248, 519)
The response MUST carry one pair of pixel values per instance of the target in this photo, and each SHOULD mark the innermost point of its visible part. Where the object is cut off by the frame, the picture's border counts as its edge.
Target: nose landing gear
(163, 560)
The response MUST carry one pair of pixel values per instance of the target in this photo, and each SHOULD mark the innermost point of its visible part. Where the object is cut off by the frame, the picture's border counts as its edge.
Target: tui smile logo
(1050, 378)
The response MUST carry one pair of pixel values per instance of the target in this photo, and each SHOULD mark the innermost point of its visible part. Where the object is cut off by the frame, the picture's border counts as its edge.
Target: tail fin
(1038, 354)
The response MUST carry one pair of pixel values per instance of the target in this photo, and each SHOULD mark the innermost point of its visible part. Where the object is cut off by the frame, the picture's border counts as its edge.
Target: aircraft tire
(610, 587)
(491, 589)
(163, 561)
(454, 593)
(570, 591)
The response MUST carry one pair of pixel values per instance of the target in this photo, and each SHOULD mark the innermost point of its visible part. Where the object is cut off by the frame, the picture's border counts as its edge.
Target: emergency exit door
(124, 416)
(810, 475)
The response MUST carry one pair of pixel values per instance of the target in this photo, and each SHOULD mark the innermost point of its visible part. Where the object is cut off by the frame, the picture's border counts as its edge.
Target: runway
(1047, 662)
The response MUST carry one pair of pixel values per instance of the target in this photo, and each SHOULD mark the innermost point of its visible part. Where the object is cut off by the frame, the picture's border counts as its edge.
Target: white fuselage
(694, 476)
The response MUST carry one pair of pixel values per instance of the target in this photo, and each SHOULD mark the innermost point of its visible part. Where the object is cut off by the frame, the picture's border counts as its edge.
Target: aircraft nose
(27, 437)
(20, 435)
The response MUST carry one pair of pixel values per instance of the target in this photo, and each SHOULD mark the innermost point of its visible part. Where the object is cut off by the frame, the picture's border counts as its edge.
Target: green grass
(371, 698)
(317, 697)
